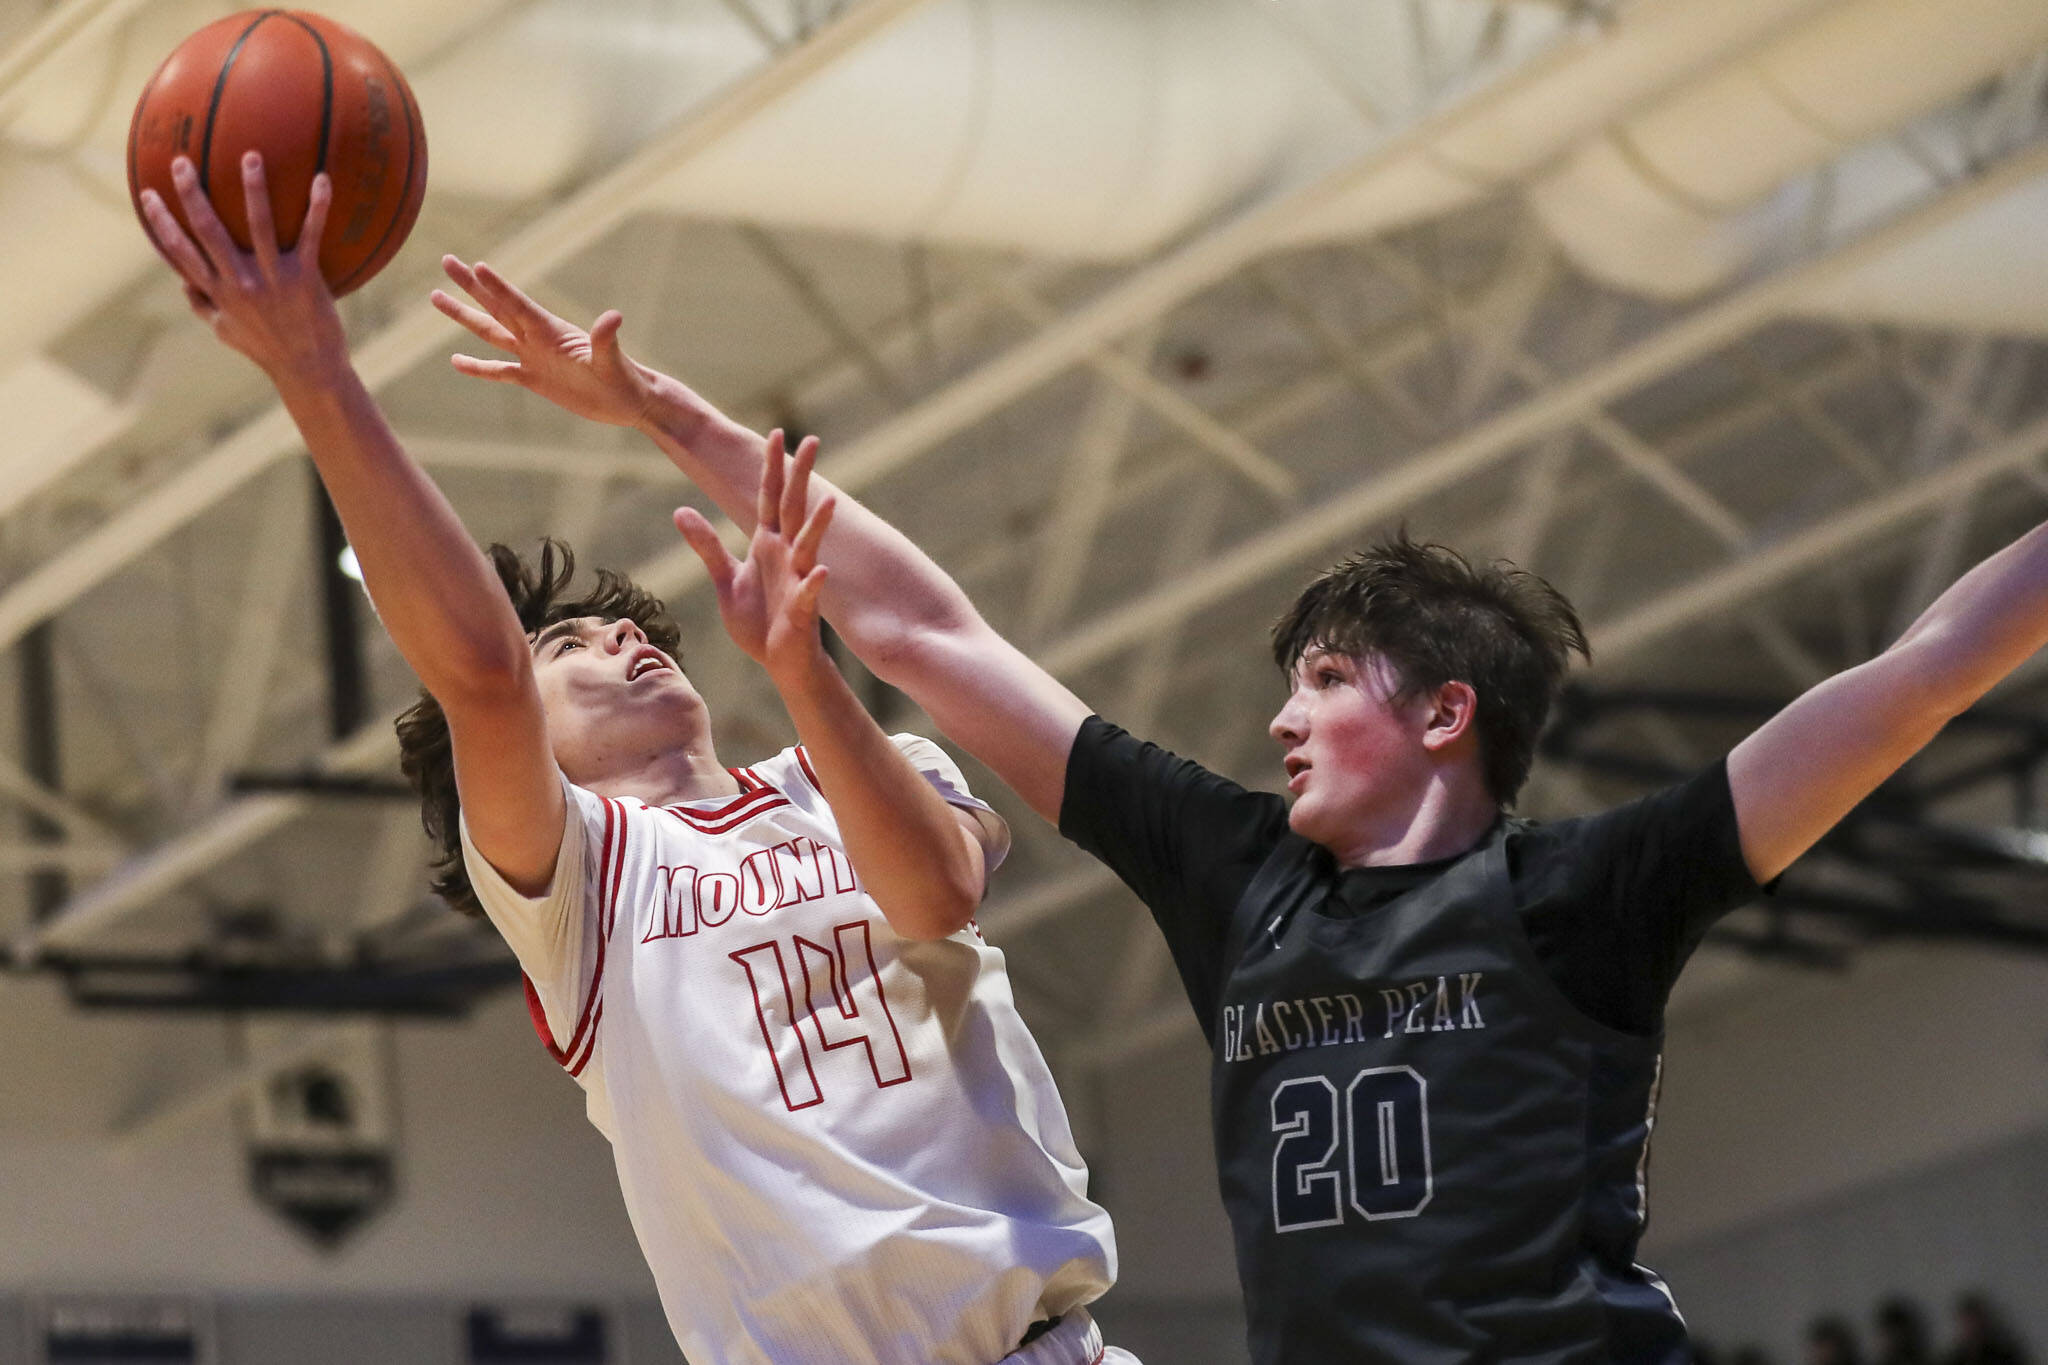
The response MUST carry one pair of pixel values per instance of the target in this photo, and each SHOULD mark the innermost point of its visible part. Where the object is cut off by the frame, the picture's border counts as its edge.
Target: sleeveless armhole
(541, 929)
(575, 1055)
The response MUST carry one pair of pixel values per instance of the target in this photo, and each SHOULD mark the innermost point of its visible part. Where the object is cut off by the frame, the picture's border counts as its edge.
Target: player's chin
(1304, 817)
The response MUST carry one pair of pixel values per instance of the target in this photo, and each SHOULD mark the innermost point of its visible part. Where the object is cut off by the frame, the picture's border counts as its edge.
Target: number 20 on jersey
(1364, 1150)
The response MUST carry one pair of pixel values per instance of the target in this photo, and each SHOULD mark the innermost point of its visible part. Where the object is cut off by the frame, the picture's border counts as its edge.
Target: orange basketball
(311, 96)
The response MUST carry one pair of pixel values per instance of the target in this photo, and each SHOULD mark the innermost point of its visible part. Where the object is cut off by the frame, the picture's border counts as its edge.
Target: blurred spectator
(1830, 1342)
(1901, 1334)
(1981, 1338)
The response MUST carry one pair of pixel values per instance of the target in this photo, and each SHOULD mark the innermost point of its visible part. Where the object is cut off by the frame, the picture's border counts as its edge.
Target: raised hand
(269, 304)
(769, 600)
(584, 372)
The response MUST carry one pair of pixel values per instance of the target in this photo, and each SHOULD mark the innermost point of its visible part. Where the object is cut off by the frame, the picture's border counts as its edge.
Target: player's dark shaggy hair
(1437, 618)
(539, 595)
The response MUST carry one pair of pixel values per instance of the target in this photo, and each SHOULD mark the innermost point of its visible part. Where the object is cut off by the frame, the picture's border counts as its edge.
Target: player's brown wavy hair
(540, 595)
(1436, 617)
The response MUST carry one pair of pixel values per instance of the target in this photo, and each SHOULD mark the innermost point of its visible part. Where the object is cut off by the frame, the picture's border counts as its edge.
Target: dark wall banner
(537, 1336)
(321, 1134)
(85, 1329)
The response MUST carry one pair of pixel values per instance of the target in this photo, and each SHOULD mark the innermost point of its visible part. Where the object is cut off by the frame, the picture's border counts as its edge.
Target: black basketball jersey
(1428, 1154)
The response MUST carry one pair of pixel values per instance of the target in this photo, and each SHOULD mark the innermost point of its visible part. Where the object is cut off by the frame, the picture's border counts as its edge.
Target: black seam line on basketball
(326, 87)
(411, 154)
(220, 85)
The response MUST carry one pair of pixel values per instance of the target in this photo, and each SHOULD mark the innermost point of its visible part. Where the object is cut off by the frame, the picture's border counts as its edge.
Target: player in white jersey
(835, 1138)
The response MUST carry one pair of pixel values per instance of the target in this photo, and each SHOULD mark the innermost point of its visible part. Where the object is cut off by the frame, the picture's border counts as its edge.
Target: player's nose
(1287, 725)
(623, 633)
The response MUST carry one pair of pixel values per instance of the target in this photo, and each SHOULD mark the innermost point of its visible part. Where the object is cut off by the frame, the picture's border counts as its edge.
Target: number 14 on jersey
(806, 991)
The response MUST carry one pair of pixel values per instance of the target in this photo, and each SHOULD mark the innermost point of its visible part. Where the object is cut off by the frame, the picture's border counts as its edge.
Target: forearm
(899, 612)
(906, 844)
(883, 589)
(434, 591)
(1809, 765)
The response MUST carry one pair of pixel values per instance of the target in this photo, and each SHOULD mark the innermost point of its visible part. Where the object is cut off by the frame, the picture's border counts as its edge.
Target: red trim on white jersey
(590, 1045)
(758, 799)
(611, 864)
(803, 760)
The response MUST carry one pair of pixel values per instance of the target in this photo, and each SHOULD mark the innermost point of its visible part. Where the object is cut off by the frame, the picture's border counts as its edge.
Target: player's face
(1353, 752)
(611, 698)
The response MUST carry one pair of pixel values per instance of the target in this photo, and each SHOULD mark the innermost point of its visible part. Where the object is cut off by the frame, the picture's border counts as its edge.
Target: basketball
(311, 96)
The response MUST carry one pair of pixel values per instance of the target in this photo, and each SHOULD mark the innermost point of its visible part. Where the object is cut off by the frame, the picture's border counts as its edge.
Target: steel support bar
(1178, 412)
(815, 301)
(270, 577)
(56, 33)
(1082, 497)
(525, 457)
(71, 859)
(141, 880)
(139, 1130)
(569, 227)
(229, 830)
(673, 572)
(1221, 252)
(1817, 546)
(76, 822)
(1708, 330)
(581, 220)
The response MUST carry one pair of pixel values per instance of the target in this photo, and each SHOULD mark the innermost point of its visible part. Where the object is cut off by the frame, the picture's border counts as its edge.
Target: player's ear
(1454, 714)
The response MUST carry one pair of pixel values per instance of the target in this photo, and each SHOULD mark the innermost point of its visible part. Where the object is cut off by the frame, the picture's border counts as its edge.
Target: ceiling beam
(230, 829)
(581, 221)
(1824, 543)
(564, 459)
(1165, 403)
(420, 332)
(1567, 404)
(270, 578)
(60, 30)
(1082, 496)
(31, 795)
(1222, 251)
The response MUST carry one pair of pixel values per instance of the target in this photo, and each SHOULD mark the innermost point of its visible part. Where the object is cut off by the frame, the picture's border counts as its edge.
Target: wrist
(673, 411)
(804, 675)
(311, 375)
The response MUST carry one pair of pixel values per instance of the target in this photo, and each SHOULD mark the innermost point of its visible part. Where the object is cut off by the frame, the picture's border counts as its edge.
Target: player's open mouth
(648, 662)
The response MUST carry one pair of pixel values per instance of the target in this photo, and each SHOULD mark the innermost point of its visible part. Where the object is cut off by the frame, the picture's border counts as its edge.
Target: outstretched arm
(1812, 762)
(434, 590)
(920, 859)
(900, 613)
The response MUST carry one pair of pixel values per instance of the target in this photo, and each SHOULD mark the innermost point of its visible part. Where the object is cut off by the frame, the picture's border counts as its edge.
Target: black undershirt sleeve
(1615, 903)
(1184, 839)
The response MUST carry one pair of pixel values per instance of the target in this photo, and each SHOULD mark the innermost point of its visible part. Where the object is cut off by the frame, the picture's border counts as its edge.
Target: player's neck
(667, 777)
(1446, 818)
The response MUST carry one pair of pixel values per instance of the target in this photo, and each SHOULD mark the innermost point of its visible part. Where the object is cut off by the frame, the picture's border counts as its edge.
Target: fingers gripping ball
(311, 96)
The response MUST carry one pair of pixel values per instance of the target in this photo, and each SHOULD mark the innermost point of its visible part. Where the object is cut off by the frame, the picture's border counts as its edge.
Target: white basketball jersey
(836, 1144)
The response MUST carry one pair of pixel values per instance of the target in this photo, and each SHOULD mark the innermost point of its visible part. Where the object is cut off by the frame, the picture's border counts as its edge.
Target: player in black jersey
(1435, 1029)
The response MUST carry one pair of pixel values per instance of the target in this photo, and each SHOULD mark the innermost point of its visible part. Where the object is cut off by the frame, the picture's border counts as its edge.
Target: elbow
(902, 652)
(1935, 684)
(943, 911)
